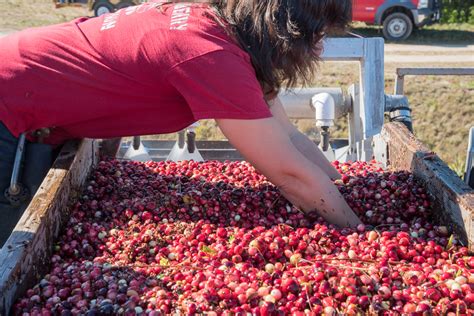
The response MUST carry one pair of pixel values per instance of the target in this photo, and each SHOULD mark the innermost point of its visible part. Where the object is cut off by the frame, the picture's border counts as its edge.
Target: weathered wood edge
(453, 198)
(25, 256)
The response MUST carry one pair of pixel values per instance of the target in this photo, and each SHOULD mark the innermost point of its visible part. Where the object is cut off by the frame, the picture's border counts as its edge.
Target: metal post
(469, 174)
(399, 82)
(14, 186)
(136, 142)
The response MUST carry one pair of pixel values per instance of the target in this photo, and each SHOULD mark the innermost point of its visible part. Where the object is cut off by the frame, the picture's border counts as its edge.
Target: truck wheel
(397, 26)
(124, 4)
(103, 7)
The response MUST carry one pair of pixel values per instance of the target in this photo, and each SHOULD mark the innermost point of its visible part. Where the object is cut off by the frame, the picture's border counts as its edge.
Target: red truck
(398, 17)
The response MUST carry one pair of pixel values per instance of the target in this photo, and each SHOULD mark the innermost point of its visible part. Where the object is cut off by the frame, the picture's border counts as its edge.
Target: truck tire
(103, 7)
(397, 26)
(124, 4)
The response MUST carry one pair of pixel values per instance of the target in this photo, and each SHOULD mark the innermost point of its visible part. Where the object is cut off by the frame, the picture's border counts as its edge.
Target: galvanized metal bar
(469, 174)
(370, 53)
(399, 84)
(355, 124)
(372, 86)
(464, 71)
(343, 49)
(402, 72)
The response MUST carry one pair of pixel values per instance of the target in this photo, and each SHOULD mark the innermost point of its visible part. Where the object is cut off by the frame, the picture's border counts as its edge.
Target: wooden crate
(24, 258)
(454, 199)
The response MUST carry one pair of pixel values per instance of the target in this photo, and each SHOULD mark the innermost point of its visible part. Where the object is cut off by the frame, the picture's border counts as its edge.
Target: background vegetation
(457, 11)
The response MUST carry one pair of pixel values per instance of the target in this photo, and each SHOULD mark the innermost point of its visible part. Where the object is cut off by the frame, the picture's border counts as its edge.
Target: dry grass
(20, 14)
(436, 33)
(443, 107)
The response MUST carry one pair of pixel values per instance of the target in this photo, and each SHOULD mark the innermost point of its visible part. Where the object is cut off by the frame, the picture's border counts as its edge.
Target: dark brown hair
(282, 36)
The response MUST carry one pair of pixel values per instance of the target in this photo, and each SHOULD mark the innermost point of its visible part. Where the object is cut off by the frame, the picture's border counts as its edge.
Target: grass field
(443, 107)
(437, 33)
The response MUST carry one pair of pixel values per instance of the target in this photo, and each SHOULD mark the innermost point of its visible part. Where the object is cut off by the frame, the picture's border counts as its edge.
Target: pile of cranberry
(216, 238)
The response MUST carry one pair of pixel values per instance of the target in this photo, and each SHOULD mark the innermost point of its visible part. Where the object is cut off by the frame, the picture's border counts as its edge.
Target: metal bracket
(469, 174)
(20, 195)
(370, 54)
(185, 148)
(137, 151)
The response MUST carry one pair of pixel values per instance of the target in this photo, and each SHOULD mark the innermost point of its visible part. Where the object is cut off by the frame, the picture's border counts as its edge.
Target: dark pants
(37, 160)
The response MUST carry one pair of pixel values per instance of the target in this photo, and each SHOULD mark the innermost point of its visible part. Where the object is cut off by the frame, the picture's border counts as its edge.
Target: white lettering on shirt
(180, 16)
(110, 21)
(130, 10)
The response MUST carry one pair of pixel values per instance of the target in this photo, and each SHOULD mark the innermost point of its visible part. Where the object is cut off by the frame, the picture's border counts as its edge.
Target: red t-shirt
(141, 70)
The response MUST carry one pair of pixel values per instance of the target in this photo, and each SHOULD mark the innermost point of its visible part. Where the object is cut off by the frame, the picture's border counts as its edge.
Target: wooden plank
(25, 255)
(454, 200)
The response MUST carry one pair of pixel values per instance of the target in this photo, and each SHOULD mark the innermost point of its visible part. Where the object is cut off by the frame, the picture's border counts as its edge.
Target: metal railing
(402, 72)
(464, 71)
(469, 175)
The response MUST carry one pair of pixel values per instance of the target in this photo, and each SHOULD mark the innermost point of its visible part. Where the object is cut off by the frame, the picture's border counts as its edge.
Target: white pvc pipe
(325, 108)
(297, 102)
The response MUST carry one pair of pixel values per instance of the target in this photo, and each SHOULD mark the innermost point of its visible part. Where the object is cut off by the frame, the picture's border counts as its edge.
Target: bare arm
(266, 145)
(305, 146)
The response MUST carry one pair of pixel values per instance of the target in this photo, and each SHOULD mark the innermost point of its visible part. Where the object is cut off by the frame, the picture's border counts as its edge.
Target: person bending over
(160, 66)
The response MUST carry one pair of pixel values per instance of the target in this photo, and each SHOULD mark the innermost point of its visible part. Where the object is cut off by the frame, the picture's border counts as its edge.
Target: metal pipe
(297, 102)
(136, 142)
(402, 72)
(394, 102)
(14, 186)
(469, 174)
(464, 71)
(402, 115)
(325, 108)
(191, 141)
(325, 135)
(399, 110)
(181, 139)
(399, 84)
